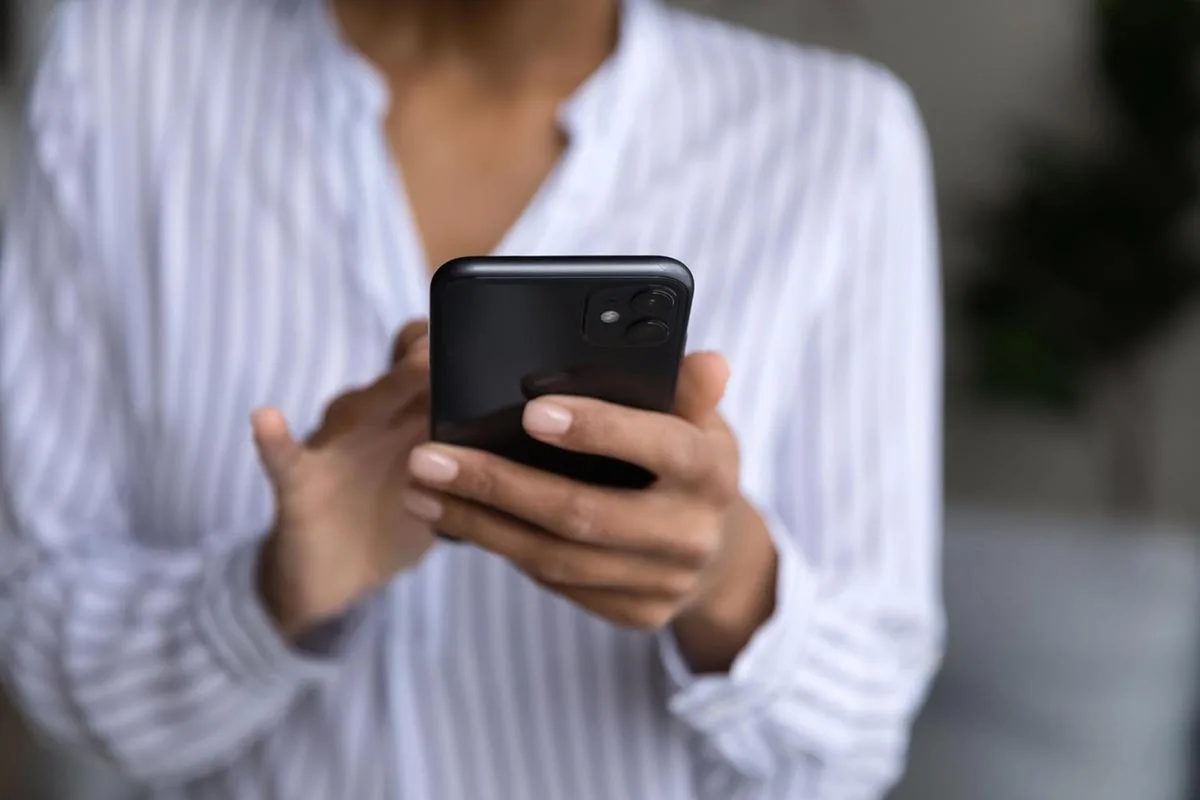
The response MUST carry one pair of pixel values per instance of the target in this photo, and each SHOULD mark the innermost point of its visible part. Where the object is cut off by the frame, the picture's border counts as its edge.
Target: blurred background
(1065, 140)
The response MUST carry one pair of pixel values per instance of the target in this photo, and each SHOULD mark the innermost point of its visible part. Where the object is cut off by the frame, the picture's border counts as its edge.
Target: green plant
(1089, 262)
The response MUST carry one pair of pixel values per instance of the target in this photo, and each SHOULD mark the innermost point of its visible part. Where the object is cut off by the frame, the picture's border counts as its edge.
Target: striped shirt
(207, 220)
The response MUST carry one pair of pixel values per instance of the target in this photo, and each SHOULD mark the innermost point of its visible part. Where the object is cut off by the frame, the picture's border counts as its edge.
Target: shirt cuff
(726, 708)
(232, 619)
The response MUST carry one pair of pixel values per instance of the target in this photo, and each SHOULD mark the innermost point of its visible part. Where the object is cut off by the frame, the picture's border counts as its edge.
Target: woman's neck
(504, 44)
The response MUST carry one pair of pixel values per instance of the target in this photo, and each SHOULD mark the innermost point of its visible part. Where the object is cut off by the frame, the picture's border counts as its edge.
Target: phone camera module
(647, 333)
(653, 302)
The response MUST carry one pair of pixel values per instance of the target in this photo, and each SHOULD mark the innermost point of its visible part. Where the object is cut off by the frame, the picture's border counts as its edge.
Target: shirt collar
(604, 107)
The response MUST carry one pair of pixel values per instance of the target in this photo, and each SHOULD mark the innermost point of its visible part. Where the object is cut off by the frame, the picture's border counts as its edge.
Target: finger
(702, 381)
(405, 384)
(380, 404)
(648, 522)
(408, 376)
(670, 447)
(411, 334)
(277, 449)
(624, 609)
(547, 559)
(419, 352)
(412, 425)
(414, 412)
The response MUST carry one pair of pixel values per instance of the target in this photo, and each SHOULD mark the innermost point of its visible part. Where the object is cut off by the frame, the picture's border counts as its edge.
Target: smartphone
(503, 331)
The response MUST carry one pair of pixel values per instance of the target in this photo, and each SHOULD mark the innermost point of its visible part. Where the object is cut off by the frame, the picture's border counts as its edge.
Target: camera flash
(610, 317)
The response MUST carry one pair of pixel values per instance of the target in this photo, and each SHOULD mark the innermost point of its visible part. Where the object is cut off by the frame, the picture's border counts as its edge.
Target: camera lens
(653, 301)
(648, 332)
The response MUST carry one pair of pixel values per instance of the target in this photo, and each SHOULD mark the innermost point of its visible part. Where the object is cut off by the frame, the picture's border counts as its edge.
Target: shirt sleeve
(163, 662)
(829, 685)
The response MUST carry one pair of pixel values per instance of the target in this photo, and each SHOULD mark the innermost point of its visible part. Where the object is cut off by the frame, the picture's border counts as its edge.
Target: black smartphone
(503, 331)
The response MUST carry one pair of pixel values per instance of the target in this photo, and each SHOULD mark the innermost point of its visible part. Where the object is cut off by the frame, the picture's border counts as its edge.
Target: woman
(233, 206)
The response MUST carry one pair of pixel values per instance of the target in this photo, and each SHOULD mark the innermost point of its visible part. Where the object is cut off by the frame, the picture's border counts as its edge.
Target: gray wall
(983, 72)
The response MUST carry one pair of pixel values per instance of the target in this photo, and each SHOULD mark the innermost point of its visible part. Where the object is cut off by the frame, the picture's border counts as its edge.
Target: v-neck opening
(509, 243)
(596, 119)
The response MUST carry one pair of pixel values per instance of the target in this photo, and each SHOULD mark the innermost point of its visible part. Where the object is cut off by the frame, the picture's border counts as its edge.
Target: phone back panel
(506, 330)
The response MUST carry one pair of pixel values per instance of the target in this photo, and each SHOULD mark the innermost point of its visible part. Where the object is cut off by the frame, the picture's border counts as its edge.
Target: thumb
(702, 381)
(277, 450)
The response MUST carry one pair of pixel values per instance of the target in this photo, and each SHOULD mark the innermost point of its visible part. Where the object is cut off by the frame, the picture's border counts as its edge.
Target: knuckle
(702, 542)
(687, 456)
(340, 416)
(478, 480)
(644, 616)
(404, 380)
(415, 330)
(710, 538)
(552, 568)
(409, 334)
(678, 583)
(342, 406)
(580, 515)
(416, 364)
(727, 482)
(594, 425)
(726, 487)
(718, 475)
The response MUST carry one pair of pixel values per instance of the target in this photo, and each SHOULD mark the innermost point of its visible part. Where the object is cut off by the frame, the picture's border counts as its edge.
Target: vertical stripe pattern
(206, 221)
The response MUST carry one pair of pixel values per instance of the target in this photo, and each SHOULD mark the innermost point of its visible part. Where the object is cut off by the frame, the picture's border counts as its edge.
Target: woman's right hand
(341, 531)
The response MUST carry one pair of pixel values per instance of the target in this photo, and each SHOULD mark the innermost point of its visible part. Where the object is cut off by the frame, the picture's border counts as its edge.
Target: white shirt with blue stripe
(206, 220)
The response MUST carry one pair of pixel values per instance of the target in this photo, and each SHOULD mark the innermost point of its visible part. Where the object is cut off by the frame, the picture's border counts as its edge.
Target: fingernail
(546, 419)
(430, 466)
(421, 505)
